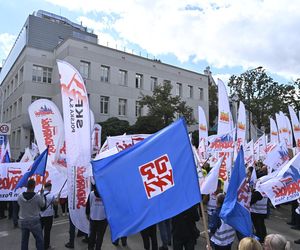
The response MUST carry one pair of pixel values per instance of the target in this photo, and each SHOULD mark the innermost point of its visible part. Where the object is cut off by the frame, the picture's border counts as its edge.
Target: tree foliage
(163, 107)
(114, 126)
(262, 96)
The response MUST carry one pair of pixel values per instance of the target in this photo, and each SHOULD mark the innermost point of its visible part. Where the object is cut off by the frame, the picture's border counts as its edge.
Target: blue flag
(6, 158)
(235, 210)
(38, 167)
(149, 182)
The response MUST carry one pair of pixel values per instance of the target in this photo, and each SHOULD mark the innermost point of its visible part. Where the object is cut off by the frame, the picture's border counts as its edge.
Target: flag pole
(62, 187)
(201, 203)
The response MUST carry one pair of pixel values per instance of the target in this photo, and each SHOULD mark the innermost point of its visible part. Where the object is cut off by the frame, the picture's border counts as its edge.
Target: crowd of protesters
(34, 211)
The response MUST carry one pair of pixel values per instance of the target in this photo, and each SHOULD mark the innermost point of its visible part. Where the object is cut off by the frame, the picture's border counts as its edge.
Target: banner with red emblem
(76, 114)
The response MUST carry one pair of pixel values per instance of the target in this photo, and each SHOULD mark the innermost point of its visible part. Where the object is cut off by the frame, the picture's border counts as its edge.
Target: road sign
(5, 128)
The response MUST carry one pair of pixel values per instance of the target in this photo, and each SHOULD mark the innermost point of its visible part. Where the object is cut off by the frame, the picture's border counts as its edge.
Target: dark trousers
(2, 208)
(15, 207)
(165, 232)
(46, 226)
(148, 234)
(97, 231)
(179, 244)
(228, 247)
(258, 221)
(71, 232)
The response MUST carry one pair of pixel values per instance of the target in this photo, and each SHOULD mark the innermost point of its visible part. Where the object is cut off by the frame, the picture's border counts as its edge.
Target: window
(19, 111)
(18, 138)
(5, 93)
(201, 94)
(21, 73)
(84, 69)
(138, 81)
(11, 86)
(178, 89)
(153, 82)
(191, 91)
(41, 74)
(34, 98)
(104, 74)
(138, 109)
(104, 104)
(122, 107)
(123, 77)
(14, 111)
(166, 82)
(16, 81)
(13, 138)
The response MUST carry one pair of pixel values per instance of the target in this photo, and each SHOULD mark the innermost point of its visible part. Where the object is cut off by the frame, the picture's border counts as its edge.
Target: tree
(163, 107)
(114, 126)
(262, 96)
(213, 103)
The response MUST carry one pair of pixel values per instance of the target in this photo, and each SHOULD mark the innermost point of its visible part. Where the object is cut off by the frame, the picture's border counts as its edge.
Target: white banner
(210, 183)
(11, 173)
(96, 139)
(296, 127)
(283, 131)
(48, 129)
(249, 154)
(225, 123)
(78, 142)
(290, 133)
(203, 131)
(241, 129)
(277, 157)
(284, 186)
(27, 156)
(122, 142)
(273, 131)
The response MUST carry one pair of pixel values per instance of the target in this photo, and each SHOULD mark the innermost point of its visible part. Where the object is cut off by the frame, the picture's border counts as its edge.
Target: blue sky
(229, 36)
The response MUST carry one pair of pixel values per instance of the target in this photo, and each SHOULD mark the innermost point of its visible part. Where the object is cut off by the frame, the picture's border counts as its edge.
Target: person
(64, 205)
(148, 234)
(123, 240)
(70, 243)
(29, 215)
(96, 215)
(47, 214)
(165, 234)
(276, 242)
(222, 235)
(249, 243)
(183, 229)
(259, 210)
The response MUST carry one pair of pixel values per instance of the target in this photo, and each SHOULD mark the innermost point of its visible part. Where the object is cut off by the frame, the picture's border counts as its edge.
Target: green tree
(262, 96)
(213, 103)
(163, 107)
(114, 126)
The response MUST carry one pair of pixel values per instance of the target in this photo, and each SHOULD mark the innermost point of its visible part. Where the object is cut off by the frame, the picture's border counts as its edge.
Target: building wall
(20, 89)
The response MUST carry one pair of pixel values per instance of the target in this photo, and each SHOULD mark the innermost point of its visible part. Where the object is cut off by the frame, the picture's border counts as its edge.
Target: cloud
(6, 43)
(224, 33)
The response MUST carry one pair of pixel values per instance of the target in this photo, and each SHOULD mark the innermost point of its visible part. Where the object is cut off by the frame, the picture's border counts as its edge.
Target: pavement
(10, 237)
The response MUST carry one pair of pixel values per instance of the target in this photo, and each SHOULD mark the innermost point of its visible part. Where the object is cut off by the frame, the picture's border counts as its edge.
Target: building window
(138, 81)
(13, 138)
(104, 105)
(34, 98)
(153, 82)
(104, 74)
(11, 87)
(122, 107)
(138, 109)
(123, 77)
(19, 111)
(21, 73)
(41, 74)
(178, 89)
(191, 91)
(14, 111)
(166, 82)
(18, 138)
(84, 69)
(201, 94)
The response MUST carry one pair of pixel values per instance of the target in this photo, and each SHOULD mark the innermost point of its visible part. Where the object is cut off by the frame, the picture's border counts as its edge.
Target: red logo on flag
(157, 176)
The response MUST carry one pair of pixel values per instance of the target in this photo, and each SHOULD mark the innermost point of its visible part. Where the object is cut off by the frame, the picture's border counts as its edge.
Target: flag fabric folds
(149, 182)
(38, 167)
(235, 210)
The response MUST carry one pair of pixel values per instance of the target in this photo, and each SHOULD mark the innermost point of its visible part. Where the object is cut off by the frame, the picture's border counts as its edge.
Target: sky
(230, 36)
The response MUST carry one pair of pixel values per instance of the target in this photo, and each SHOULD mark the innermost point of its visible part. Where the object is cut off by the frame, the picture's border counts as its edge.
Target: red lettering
(146, 170)
(80, 187)
(160, 164)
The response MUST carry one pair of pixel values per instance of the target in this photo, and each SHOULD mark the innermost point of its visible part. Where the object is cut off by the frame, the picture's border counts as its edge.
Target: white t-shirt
(49, 205)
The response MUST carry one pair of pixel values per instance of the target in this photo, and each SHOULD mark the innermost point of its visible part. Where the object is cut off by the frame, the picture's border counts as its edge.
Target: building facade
(114, 79)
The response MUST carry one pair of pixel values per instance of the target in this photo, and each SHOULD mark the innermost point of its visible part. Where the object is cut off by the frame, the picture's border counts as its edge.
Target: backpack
(43, 208)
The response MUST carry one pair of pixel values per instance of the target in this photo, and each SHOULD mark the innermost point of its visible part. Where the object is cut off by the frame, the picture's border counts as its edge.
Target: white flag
(76, 114)
(210, 183)
(273, 131)
(296, 127)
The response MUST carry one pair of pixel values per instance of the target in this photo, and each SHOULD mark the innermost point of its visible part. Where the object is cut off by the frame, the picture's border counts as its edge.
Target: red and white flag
(273, 132)
(296, 127)
(76, 114)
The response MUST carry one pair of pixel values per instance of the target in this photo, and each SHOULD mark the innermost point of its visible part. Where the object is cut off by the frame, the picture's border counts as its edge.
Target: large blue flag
(38, 167)
(235, 210)
(149, 182)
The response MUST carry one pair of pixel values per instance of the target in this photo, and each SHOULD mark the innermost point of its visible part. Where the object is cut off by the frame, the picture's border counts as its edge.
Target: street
(10, 238)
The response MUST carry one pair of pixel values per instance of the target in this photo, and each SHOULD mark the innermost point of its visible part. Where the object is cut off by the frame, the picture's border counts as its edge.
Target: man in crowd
(47, 214)
(29, 216)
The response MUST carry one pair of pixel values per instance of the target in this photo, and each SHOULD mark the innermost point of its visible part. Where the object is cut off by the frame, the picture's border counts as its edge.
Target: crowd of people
(34, 211)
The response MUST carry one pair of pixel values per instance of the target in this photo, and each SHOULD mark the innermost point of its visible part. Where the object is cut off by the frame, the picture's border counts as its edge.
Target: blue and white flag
(38, 167)
(149, 182)
(235, 210)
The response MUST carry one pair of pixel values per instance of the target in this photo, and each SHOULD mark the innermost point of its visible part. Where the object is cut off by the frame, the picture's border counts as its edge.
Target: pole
(201, 203)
